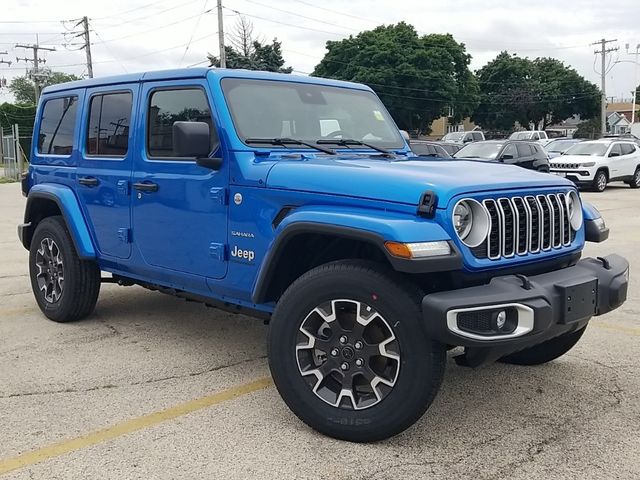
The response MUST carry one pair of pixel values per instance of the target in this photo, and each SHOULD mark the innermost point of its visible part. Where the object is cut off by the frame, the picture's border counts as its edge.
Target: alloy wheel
(348, 354)
(50, 274)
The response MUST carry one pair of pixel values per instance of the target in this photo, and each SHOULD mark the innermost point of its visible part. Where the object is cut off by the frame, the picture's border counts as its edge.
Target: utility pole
(223, 56)
(2, 60)
(36, 62)
(87, 44)
(635, 83)
(603, 74)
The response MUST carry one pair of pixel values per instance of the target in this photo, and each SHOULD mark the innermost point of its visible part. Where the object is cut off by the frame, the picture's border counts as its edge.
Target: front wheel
(349, 355)
(547, 351)
(600, 181)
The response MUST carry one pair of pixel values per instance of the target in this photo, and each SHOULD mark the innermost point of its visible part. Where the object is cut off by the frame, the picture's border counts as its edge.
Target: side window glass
(109, 118)
(627, 148)
(57, 126)
(524, 150)
(510, 150)
(178, 105)
(615, 150)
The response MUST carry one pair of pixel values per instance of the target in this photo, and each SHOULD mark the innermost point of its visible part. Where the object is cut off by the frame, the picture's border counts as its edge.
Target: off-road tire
(81, 284)
(545, 352)
(421, 365)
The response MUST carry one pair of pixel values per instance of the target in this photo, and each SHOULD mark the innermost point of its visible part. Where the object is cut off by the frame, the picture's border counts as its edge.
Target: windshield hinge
(427, 204)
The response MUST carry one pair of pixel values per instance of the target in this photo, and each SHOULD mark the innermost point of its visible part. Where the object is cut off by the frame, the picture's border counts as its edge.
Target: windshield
(487, 151)
(596, 149)
(560, 146)
(272, 109)
(453, 136)
(520, 136)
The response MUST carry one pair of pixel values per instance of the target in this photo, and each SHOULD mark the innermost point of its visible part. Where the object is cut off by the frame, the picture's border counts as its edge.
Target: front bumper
(545, 306)
(581, 176)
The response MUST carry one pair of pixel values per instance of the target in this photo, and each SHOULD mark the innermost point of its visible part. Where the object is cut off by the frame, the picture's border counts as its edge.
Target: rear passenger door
(525, 155)
(104, 169)
(629, 158)
(615, 161)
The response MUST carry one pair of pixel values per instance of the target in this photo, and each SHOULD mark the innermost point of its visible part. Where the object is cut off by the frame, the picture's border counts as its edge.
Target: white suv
(464, 137)
(598, 162)
(539, 136)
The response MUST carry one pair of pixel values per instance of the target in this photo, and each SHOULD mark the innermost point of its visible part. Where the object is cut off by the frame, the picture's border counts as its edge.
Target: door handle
(146, 186)
(88, 181)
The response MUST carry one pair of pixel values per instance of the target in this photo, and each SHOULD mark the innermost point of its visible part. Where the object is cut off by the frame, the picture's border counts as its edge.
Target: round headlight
(471, 222)
(462, 219)
(574, 209)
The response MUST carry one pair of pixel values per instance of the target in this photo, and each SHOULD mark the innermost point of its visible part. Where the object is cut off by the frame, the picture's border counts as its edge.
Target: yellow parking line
(129, 426)
(618, 328)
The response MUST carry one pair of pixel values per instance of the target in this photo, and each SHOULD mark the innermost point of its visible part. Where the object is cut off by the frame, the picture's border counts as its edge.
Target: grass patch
(7, 180)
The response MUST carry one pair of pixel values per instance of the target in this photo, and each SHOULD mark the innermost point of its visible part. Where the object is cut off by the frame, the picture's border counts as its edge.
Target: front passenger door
(179, 208)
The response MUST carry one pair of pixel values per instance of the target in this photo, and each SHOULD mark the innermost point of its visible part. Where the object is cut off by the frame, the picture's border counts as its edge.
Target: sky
(141, 35)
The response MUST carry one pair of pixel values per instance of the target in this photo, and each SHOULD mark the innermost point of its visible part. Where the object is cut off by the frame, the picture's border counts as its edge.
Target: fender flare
(357, 224)
(65, 199)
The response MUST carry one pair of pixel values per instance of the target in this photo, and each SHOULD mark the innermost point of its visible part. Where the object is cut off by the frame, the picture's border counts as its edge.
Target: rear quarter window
(57, 126)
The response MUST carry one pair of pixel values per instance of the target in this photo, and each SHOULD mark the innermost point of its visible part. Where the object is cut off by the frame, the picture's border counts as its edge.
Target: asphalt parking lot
(154, 387)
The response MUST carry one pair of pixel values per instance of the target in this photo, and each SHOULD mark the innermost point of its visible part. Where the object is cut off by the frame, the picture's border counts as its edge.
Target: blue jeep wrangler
(297, 200)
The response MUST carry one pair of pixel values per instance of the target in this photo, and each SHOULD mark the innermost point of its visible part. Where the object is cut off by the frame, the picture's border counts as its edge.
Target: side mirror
(614, 154)
(506, 156)
(467, 140)
(193, 139)
(405, 135)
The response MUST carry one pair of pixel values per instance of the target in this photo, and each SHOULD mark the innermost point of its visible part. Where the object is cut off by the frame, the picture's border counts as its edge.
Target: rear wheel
(635, 180)
(66, 287)
(547, 351)
(349, 355)
(600, 181)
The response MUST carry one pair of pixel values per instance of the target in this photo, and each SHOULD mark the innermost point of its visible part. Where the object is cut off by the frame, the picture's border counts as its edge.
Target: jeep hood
(402, 181)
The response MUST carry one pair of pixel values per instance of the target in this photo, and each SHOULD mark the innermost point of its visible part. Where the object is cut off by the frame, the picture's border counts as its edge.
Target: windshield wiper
(288, 141)
(350, 141)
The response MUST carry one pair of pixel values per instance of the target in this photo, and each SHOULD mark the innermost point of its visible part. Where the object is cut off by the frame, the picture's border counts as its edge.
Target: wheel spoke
(350, 351)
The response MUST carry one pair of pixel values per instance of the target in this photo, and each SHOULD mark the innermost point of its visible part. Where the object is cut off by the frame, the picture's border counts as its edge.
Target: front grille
(525, 224)
(566, 166)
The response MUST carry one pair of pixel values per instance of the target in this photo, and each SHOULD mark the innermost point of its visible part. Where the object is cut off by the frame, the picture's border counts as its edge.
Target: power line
(193, 32)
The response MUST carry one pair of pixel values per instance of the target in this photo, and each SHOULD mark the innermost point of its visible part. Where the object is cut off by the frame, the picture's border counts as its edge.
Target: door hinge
(124, 234)
(219, 194)
(218, 251)
(123, 187)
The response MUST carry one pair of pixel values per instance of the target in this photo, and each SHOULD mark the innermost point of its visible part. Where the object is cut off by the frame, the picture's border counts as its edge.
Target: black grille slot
(480, 251)
(523, 224)
(534, 235)
(495, 233)
(546, 222)
(508, 226)
(557, 220)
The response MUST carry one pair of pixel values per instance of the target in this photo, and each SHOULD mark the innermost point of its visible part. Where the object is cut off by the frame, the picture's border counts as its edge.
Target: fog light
(501, 319)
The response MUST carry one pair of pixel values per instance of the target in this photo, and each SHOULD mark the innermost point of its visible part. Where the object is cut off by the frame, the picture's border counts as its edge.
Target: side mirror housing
(191, 139)
(506, 156)
(614, 154)
(405, 135)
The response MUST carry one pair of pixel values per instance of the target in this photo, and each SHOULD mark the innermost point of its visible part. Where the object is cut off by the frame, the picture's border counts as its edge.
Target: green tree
(541, 92)
(266, 57)
(23, 87)
(506, 91)
(419, 78)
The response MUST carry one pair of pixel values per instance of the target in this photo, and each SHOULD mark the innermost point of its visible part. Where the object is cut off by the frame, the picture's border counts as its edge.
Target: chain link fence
(12, 157)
